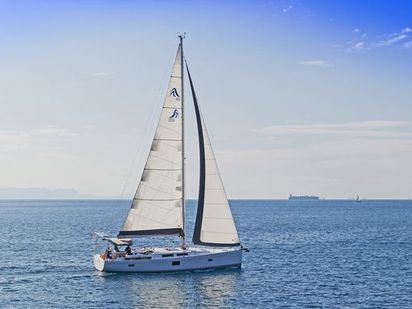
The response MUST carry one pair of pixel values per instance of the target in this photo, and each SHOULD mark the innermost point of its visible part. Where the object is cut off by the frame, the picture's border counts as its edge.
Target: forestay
(157, 205)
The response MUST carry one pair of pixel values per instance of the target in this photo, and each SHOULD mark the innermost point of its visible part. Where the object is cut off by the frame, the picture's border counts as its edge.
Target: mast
(181, 37)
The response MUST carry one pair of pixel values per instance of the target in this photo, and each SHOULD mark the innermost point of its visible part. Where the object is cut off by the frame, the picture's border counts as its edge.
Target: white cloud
(383, 129)
(387, 40)
(359, 33)
(287, 9)
(319, 63)
(103, 74)
(357, 47)
(329, 159)
(393, 39)
(339, 168)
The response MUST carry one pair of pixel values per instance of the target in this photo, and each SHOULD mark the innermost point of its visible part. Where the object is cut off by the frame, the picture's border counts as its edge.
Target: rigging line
(150, 123)
(156, 108)
(137, 159)
(139, 152)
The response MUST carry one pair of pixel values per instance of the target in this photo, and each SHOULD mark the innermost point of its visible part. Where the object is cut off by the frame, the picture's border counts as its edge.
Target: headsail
(214, 224)
(157, 206)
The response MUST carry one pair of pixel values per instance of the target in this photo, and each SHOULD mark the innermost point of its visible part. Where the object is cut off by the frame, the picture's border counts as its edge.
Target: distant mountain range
(44, 193)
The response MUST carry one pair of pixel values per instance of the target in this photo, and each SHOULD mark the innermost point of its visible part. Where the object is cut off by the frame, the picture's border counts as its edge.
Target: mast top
(181, 36)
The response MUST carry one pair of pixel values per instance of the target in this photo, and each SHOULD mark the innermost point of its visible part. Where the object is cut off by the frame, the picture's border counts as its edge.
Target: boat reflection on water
(174, 290)
(217, 290)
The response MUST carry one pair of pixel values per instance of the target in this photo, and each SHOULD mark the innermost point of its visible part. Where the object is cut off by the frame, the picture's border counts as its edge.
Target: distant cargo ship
(303, 197)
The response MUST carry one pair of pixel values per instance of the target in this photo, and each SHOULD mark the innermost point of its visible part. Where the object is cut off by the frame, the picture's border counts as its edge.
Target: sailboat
(158, 206)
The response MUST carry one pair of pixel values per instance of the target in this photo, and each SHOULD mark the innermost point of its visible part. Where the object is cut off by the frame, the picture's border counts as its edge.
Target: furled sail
(157, 206)
(214, 224)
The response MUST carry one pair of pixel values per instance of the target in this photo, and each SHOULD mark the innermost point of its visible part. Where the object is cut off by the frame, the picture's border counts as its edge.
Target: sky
(301, 97)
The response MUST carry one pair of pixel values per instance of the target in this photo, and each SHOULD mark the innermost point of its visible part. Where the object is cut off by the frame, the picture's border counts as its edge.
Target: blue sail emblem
(175, 94)
(174, 115)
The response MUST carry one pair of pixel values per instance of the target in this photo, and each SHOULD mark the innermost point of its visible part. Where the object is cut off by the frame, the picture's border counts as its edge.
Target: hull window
(175, 263)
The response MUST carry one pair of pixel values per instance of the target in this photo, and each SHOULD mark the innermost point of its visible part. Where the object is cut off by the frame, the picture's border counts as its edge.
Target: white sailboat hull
(170, 260)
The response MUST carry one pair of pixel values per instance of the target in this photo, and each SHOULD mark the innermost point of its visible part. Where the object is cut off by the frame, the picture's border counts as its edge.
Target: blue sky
(304, 97)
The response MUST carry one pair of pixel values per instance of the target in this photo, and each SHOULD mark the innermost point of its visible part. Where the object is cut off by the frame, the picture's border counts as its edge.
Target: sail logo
(175, 94)
(174, 115)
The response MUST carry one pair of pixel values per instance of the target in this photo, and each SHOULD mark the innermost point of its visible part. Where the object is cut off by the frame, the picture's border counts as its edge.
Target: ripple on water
(321, 254)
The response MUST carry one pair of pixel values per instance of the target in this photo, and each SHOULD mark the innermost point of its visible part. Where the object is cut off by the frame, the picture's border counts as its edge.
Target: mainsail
(214, 224)
(158, 205)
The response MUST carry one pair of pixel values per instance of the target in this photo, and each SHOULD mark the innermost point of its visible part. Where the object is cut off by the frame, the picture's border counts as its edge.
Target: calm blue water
(303, 255)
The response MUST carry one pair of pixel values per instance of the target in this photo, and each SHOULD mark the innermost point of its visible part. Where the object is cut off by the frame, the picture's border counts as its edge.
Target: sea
(303, 254)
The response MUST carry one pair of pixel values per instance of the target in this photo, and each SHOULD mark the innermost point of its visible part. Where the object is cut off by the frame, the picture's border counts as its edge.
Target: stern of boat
(98, 262)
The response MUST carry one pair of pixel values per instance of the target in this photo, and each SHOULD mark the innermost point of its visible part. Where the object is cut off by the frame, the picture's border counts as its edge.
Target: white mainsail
(214, 221)
(157, 206)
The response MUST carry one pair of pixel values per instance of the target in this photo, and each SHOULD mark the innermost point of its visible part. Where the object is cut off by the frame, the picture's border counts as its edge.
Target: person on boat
(128, 250)
(116, 248)
(108, 253)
